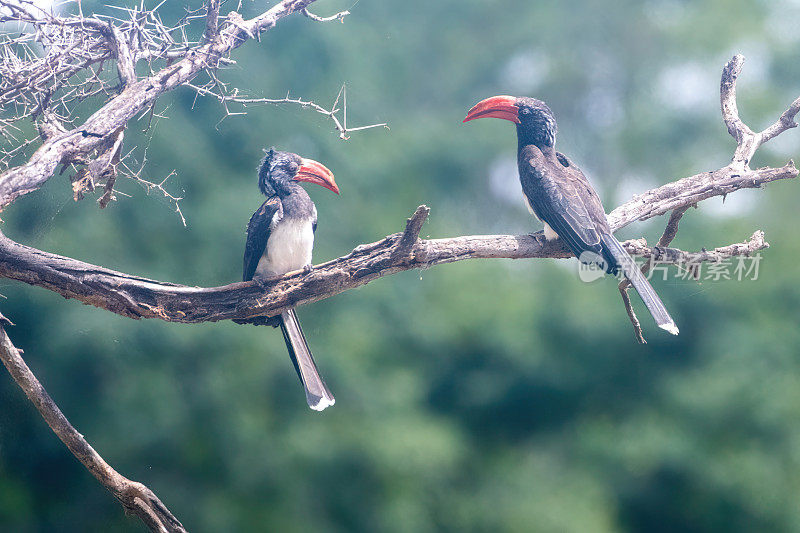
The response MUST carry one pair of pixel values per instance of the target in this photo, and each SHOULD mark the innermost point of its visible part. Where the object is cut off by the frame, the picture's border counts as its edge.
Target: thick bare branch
(694, 189)
(138, 297)
(727, 92)
(134, 496)
(122, 50)
(702, 186)
(411, 234)
(212, 23)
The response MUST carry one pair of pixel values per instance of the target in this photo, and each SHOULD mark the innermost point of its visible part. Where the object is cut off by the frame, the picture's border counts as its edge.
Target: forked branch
(717, 182)
(748, 141)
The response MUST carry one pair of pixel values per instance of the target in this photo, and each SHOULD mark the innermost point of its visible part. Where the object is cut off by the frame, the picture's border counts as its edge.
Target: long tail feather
(317, 394)
(640, 283)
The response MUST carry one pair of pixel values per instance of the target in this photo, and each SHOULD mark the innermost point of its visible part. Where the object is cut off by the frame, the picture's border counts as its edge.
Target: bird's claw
(262, 283)
(308, 268)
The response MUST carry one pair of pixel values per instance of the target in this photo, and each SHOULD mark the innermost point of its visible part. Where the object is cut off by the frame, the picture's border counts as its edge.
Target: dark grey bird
(280, 239)
(558, 194)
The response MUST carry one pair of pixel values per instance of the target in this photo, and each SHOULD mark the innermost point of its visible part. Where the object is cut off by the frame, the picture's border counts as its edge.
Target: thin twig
(670, 231)
(338, 16)
(637, 326)
(331, 113)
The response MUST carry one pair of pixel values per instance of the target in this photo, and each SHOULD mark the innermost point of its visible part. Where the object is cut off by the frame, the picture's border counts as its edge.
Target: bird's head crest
(264, 170)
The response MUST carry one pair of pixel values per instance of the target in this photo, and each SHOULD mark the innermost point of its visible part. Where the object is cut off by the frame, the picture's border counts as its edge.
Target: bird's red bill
(315, 172)
(495, 107)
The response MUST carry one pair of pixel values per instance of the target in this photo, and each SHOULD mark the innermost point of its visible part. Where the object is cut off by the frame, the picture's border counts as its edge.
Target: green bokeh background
(491, 395)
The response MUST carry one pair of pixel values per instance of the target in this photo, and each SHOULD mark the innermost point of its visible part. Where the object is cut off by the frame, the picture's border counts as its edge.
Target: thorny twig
(339, 125)
(58, 62)
(159, 187)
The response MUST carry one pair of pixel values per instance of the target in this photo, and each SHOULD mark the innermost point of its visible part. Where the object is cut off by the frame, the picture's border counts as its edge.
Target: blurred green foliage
(481, 396)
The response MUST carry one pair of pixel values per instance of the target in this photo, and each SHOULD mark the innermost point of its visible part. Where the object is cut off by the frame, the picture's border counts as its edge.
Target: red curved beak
(315, 172)
(495, 107)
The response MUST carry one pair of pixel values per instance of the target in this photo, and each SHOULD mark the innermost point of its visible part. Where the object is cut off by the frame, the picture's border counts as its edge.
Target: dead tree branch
(338, 16)
(339, 124)
(39, 80)
(717, 182)
(666, 239)
(134, 497)
(212, 24)
(99, 40)
(747, 141)
(138, 297)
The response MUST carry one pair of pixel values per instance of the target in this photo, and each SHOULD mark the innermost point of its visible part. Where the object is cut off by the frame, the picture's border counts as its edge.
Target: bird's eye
(293, 167)
(526, 111)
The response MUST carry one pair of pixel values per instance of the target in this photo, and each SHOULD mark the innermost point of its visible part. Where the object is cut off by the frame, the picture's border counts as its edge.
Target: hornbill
(280, 238)
(558, 194)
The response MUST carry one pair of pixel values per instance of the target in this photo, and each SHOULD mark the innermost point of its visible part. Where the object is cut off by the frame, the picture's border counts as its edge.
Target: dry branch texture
(138, 297)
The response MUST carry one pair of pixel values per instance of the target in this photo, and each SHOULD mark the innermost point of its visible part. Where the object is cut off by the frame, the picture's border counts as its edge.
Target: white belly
(529, 206)
(289, 248)
(549, 234)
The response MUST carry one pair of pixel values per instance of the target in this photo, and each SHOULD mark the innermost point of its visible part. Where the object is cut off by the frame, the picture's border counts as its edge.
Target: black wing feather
(561, 195)
(258, 230)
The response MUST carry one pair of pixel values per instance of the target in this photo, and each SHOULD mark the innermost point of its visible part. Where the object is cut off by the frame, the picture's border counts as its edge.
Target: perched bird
(280, 238)
(558, 194)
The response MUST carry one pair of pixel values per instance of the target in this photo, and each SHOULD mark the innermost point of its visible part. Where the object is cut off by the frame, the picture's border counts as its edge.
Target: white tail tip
(323, 404)
(671, 327)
